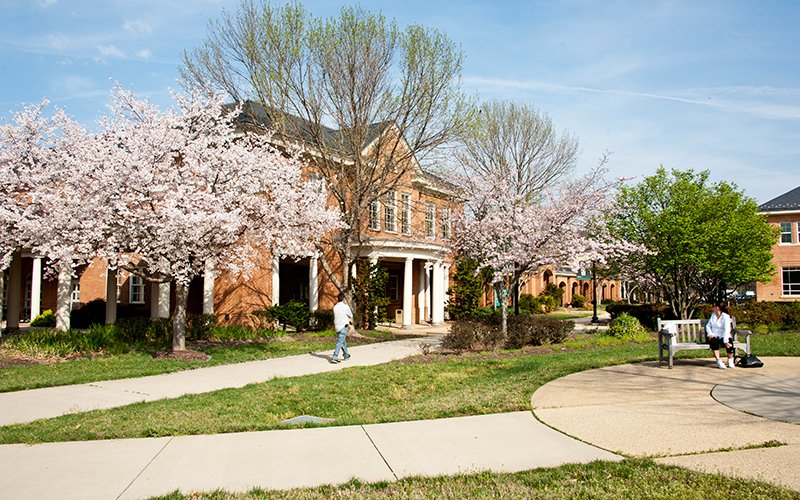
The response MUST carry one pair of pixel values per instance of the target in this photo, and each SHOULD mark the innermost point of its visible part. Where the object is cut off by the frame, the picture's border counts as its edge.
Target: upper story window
(405, 214)
(786, 232)
(375, 215)
(446, 223)
(430, 219)
(119, 287)
(136, 289)
(791, 281)
(390, 211)
(76, 291)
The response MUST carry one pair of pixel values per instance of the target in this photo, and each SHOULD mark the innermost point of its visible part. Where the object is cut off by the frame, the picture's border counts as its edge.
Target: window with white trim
(786, 232)
(119, 287)
(405, 214)
(75, 296)
(446, 223)
(390, 211)
(430, 219)
(791, 281)
(375, 215)
(136, 284)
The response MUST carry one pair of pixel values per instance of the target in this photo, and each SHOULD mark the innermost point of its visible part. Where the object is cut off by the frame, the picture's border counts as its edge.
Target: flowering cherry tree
(191, 190)
(45, 205)
(511, 236)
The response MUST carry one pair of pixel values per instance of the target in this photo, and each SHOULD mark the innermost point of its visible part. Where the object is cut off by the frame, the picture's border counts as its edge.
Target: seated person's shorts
(717, 343)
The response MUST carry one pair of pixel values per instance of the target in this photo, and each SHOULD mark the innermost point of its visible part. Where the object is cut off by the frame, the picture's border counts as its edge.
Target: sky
(697, 84)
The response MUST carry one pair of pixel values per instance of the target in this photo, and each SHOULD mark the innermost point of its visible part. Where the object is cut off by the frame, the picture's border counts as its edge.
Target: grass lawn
(18, 372)
(632, 478)
(423, 387)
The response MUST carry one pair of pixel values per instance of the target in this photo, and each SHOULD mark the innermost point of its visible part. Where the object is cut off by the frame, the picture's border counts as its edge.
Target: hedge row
(775, 315)
(467, 333)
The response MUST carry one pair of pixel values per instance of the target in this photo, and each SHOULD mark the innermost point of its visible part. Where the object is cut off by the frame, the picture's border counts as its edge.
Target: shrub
(140, 330)
(91, 313)
(536, 330)
(199, 326)
(578, 301)
(322, 319)
(791, 316)
(645, 313)
(536, 305)
(557, 293)
(462, 335)
(484, 313)
(54, 343)
(294, 313)
(47, 319)
(626, 327)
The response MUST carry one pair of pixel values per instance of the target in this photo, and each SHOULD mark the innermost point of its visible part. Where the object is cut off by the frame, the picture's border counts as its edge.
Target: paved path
(25, 406)
(638, 410)
(643, 410)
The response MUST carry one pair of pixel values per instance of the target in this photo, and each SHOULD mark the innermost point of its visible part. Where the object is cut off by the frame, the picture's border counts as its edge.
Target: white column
(428, 311)
(36, 288)
(163, 300)
(111, 296)
(446, 278)
(408, 278)
(276, 279)
(64, 297)
(208, 289)
(421, 293)
(14, 292)
(313, 284)
(437, 314)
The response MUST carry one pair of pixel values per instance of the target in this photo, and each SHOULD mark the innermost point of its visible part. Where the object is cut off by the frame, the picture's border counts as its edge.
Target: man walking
(342, 322)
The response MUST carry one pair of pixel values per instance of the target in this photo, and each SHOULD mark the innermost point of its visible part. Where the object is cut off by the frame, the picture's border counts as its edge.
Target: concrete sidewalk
(138, 468)
(644, 410)
(26, 406)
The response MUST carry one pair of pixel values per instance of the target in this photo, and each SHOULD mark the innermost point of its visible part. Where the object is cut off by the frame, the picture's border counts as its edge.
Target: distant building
(784, 213)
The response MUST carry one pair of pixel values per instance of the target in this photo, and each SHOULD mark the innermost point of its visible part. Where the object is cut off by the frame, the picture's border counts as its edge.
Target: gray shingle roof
(300, 129)
(786, 201)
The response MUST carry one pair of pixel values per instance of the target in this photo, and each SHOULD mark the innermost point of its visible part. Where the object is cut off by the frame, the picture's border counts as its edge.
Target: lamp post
(595, 319)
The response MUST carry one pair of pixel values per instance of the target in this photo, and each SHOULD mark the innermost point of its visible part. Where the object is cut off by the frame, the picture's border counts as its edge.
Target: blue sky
(688, 84)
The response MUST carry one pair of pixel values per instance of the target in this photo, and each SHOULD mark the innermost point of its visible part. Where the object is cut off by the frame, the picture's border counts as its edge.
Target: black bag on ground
(749, 361)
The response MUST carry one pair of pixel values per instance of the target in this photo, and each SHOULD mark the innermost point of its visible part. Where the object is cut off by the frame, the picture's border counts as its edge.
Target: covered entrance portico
(418, 278)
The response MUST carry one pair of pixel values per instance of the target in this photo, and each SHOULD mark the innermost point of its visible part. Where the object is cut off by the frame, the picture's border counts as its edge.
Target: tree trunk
(503, 312)
(64, 296)
(179, 318)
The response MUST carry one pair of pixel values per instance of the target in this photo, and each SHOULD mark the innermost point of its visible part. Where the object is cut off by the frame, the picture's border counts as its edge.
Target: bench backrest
(688, 330)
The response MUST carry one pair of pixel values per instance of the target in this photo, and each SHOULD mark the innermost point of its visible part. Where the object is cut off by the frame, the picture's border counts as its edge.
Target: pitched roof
(784, 202)
(300, 129)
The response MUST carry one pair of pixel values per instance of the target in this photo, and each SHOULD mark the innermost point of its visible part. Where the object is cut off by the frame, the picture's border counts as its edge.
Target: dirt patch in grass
(185, 355)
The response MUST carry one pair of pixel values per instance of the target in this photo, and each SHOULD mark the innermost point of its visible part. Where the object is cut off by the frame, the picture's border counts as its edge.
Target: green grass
(140, 362)
(436, 386)
(630, 478)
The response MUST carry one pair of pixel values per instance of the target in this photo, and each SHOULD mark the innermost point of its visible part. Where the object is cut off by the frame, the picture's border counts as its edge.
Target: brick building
(784, 213)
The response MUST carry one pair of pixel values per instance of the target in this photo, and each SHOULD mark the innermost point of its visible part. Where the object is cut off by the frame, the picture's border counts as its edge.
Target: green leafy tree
(697, 237)
(466, 289)
(369, 290)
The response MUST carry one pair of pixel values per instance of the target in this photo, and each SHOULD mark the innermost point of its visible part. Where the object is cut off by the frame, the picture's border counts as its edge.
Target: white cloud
(59, 42)
(144, 54)
(47, 3)
(111, 51)
(137, 27)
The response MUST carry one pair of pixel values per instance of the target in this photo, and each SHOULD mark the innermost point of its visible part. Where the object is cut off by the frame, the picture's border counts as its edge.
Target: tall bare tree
(366, 98)
(519, 144)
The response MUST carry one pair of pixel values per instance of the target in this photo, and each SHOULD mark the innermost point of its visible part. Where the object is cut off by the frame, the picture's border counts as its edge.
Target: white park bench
(688, 334)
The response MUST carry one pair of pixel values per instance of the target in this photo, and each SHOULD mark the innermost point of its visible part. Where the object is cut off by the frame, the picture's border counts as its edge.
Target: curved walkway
(280, 459)
(645, 411)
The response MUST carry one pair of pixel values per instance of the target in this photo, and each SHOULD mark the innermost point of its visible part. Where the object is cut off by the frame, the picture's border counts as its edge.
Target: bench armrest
(666, 333)
(745, 333)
